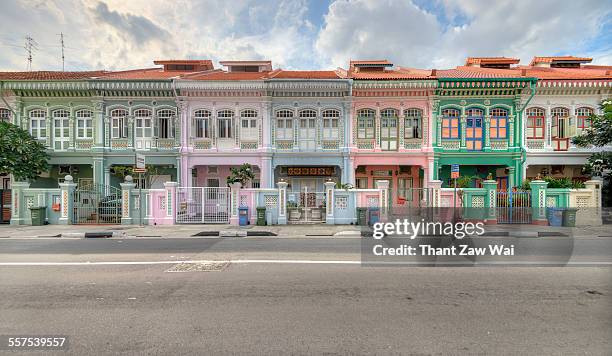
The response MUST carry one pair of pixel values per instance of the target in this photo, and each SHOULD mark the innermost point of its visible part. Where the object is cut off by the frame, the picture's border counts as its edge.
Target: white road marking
(321, 262)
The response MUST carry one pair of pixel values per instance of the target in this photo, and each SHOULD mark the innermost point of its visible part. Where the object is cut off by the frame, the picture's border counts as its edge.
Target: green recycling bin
(362, 216)
(261, 216)
(569, 217)
(38, 214)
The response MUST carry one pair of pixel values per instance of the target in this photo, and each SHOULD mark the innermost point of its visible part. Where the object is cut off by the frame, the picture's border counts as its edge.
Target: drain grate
(199, 267)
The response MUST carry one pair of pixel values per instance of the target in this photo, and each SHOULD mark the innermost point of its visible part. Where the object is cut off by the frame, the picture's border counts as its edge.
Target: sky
(299, 34)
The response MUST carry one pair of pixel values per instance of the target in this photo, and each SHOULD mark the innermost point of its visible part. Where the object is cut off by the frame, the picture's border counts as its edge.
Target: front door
(388, 133)
(307, 134)
(144, 133)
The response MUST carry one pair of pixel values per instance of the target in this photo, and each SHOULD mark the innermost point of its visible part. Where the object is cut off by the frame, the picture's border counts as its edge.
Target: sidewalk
(278, 231)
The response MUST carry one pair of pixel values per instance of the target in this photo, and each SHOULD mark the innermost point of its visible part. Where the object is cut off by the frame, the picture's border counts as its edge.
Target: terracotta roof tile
(399, 74)
(145, 74)
(559, 58)
(222, 75)
(544, 73)
(476, 72)
(304, 74)
(50, 75)
(491, 60)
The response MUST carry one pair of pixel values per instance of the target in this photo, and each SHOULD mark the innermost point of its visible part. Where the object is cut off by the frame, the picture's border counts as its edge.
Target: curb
(97, 234)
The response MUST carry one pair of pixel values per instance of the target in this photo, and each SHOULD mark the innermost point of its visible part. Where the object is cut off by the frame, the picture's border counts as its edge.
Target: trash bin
(374, 215)
(362, 216)
(569, 217)
(261, 215)
(38, 214)
(243, 216)
(555, 216)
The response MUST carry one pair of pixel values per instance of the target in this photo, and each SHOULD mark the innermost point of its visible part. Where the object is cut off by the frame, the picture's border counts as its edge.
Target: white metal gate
(203, 205)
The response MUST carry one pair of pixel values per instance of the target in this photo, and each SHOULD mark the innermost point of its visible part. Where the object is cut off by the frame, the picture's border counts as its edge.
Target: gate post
(170, 202)
(538, 202)
(490, 201)
(18, 213)
(127, 200)
(234, 197)
(383, 198)
(282, 202)
(67, 201)
(329, 201)
(435, 186)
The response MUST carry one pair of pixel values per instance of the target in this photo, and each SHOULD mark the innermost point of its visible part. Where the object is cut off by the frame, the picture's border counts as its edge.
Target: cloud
(139, 28)
(120, 34)
(448, 31)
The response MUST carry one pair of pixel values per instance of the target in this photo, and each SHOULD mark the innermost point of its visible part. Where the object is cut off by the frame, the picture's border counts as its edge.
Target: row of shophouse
(373, 121)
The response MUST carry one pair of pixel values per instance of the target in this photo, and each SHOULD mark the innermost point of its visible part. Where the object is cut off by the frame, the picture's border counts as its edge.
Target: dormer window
(370, 65)
(247, 66)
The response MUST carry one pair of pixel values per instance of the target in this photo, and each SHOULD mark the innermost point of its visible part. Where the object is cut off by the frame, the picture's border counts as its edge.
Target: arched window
(119, 127)
(499, 123)
(248, 124)
(144, 124)
(84, 124)
(473, 129)
(61, 129)
(284, 124)
(366, 123)
(5, 115)
(412, 123)
(331, 119)
(388, 113)
(224, 123)
(583, 115)
(560, 122)
(450, 123)
(535, 123)
(202, 123)
(165, 122)
(38, 124)
(389, 129)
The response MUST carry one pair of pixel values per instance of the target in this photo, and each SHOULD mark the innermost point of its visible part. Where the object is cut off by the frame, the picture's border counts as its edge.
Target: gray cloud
(140, 28)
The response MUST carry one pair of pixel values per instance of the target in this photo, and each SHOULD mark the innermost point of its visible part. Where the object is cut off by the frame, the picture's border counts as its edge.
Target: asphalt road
(281, 309)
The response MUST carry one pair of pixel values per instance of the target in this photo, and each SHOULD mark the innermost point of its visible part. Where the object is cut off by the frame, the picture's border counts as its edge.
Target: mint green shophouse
(478, 125)
(91, 125)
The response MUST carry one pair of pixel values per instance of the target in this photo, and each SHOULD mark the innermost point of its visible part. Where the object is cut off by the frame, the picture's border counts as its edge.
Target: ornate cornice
(395, 84)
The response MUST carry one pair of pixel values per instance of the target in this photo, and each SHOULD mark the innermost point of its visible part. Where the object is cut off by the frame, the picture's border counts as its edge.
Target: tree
(242, 174)
(599, 135)
(21, 154)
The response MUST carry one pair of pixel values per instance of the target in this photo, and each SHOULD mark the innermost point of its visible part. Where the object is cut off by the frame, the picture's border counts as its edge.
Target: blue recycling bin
(374, 215)
(243, 216)
(555, 216)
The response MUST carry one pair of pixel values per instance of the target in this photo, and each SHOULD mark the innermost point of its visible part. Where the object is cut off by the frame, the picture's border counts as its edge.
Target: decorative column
(131, 139)
(538, 202)
(71, 130)
(490, 201)
(18, 211)
(383, 197)
(99, 171)
(266, 180)
(170, 200)
(377, 127)
(511, 131)
(49, 128)
(462, 128)
(595, 212)
(67, 201)
(548, 130)
(267, 123)
(512, 178)
(107, 131)
(127, 200)
(234, 200)
(329, 202)
(282, 202)
(98, 124)
(401, 129)
(435, 186)
(487, 131)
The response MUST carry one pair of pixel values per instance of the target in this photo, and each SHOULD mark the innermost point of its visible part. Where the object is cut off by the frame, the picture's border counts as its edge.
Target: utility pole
(30, 46)
(61, 34)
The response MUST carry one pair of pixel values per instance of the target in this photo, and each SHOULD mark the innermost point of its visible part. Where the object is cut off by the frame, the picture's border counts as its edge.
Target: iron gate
(514, 207)
(203, 205)
(97, 204)
(306, 206)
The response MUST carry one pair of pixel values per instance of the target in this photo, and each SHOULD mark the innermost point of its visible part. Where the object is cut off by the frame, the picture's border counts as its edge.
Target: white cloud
(398, 30)
(119, 34)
